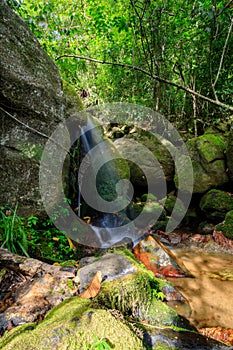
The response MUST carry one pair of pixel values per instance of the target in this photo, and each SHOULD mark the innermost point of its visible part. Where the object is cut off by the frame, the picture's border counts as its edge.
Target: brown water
(209, 295)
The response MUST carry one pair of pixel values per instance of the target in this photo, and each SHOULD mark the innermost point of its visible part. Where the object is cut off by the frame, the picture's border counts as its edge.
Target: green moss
(30, 150)
(215, 204)
(73, 101)
(227, 226)
(211, 146)
(72, 325)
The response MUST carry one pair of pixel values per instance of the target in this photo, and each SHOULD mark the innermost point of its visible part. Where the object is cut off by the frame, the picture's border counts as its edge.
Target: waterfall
(102, 188)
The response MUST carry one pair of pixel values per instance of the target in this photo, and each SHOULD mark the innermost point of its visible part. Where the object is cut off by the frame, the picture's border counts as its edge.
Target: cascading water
(98, 152)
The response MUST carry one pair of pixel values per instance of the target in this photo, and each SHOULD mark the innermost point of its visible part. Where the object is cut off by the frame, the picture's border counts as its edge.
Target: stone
(169, 339)
(207, 153)
(153, 149)
(112, 266)
(215, 204)
(31, 97)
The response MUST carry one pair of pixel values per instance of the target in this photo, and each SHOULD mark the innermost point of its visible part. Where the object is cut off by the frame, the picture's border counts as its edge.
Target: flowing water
(210, 292)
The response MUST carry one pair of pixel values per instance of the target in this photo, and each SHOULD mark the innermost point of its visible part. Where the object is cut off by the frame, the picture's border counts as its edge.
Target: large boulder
(141, 160)
(32, 104)
(207, 153)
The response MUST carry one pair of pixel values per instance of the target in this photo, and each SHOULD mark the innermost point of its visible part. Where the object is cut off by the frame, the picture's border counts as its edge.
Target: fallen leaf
(224, 335)
(71, 244)
(94, 287)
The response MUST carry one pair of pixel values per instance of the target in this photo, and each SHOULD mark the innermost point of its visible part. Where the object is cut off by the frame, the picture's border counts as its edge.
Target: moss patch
(72, 325)
(215, 204)
(227, 226)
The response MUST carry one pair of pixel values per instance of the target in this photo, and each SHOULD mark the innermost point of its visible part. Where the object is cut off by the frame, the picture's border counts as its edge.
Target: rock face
(208, 158)
(31, 92)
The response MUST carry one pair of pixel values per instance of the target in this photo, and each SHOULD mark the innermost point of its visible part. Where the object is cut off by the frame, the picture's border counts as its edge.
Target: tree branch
(223, 52)
(153, 76)
(225, 7)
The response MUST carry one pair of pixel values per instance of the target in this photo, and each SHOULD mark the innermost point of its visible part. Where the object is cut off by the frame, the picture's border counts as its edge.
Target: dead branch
(153, 76)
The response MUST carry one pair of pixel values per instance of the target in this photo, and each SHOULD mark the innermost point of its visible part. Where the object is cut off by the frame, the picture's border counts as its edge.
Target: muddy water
(209, 295)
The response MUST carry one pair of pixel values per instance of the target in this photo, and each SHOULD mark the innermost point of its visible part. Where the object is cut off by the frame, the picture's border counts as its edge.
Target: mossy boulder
(143, 159)
(137, 295)
(216, 203)
(207, 153)
(227, 225)
(74, 324)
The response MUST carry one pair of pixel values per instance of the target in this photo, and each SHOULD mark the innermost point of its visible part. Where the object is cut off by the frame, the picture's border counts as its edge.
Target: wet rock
(112, 266)
(182, 340)
(215, 204)
(159, 259)
(30, 288)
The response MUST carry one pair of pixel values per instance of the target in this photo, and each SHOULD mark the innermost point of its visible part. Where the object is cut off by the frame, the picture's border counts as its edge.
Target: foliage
(101, 344)
(185, 42)
(13, 235)
(28, 236)
(47, 242)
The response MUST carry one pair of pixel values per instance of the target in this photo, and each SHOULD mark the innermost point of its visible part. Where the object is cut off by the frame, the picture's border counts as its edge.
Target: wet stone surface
(111, 266)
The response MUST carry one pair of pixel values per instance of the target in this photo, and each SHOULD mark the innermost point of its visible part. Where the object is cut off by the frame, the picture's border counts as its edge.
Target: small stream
(210, 292)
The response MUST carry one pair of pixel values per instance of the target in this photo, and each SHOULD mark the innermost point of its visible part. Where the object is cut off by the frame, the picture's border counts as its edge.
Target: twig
(33, 130)
(153, 76)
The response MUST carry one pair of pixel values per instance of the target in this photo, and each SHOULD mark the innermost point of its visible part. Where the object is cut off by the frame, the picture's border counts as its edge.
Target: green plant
(13, 231)
(101, 344)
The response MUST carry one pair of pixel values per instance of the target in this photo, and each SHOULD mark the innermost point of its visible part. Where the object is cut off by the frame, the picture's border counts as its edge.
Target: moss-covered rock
(215, 204)
(73, 325)
(143, 160)
(227, 225)
(137, 294)
(207, 153)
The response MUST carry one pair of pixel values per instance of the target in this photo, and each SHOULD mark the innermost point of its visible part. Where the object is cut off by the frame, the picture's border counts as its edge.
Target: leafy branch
(153, 76)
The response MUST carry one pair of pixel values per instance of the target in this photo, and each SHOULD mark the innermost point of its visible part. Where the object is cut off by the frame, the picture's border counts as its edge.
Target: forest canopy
(163, 54)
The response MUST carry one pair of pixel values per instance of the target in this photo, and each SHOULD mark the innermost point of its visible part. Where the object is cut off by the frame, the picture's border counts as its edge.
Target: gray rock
(31, 92)
(182, 340)
(112, 266)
